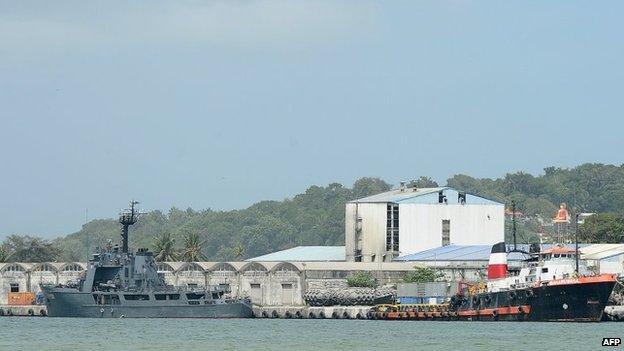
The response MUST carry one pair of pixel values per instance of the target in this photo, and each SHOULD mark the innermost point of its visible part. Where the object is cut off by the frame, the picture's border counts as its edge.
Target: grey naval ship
(119, 284)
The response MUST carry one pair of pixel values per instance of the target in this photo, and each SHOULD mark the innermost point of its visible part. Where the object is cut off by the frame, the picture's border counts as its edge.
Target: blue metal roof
(469, 253)
(451, 253)
(305, 254)
(424, 196)
(457, 253)
(396, 195)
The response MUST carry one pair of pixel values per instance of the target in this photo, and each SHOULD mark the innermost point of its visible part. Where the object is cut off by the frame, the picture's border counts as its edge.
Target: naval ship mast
(127, 218)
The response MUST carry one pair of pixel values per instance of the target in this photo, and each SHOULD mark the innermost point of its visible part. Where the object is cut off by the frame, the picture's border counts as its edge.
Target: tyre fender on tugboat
(475, 301)
(521, 313)
(488, 298)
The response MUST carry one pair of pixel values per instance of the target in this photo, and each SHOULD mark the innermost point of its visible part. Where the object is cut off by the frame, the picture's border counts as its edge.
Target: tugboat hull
(565, 300)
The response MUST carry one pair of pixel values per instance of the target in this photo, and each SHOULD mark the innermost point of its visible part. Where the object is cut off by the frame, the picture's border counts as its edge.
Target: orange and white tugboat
(552, 287)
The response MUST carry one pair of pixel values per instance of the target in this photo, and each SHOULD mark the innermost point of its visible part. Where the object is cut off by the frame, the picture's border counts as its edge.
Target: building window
(44, 268)
(392, 227)
(446, 232)
(163, 267)
(14, 268)
(72, 268)
(192, 267)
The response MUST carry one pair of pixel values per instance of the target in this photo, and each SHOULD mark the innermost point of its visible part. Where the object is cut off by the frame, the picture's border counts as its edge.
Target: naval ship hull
(565, 300)
(72, 303)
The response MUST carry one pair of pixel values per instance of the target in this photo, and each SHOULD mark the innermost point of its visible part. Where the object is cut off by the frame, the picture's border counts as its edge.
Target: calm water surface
(278, 334)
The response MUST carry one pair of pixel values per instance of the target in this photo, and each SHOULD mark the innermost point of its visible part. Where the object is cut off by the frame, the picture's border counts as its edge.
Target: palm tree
(193, 248)
(239, 251)
(5, 255)
(164, 248)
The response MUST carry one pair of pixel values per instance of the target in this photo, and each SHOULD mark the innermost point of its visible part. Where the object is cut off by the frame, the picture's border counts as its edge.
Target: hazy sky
(224, 103)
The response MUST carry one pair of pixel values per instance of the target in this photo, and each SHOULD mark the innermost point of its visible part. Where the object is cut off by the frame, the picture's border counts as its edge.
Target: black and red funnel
(497, 267)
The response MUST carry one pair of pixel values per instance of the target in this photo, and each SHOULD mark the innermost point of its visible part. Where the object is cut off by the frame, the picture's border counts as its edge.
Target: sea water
(24, 333)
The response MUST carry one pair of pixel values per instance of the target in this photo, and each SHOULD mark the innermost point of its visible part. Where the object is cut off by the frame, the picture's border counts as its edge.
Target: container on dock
(426, 289)
(21, 298)
(421, 300)
(425, 293)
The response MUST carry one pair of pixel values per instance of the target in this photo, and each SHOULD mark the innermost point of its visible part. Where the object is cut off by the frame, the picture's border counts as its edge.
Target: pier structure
(278, 283)
(266, 283)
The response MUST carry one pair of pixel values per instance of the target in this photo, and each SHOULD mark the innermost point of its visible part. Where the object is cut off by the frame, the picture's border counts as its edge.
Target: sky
(220, 104)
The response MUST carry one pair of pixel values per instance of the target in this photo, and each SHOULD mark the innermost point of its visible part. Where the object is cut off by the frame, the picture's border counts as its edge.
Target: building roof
(482, 252)
(305, 254)
(399, 194)
(559, 250)
(424, 196)
(457, 253)
(601, 251)
(355, 266)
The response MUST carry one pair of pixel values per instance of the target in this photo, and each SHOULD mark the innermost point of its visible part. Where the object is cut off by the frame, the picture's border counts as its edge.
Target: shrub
(362, 280)
(422, 275)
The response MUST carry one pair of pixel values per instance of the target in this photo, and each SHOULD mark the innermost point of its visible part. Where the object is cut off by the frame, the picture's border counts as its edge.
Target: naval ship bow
(120, 284)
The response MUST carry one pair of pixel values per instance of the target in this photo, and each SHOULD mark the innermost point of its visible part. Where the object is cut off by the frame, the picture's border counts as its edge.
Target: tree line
(316, 217)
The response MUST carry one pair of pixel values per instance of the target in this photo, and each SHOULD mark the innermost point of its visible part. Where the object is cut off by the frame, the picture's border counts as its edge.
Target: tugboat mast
(513, 223)
(127, 218)
(576, 244)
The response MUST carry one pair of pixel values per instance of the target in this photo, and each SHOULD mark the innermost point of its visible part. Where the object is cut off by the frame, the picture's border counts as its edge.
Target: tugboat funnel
(497, 267)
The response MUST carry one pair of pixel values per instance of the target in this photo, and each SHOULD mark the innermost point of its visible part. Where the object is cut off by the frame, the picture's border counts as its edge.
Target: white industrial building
(409, 220)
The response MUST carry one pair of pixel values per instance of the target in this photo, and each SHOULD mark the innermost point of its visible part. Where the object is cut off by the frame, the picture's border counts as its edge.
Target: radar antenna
(127, 218)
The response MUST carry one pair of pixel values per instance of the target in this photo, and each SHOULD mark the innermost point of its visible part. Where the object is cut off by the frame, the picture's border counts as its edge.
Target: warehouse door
(287, 294)
(256, 294)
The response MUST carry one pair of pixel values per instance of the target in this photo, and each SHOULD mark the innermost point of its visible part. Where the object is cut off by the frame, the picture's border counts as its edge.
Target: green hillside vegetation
(316, 217)
(591, 187)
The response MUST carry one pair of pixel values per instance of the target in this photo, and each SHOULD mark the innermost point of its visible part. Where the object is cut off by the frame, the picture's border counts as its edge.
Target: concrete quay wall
(23, 310)
(308, 312)
(266, 283)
